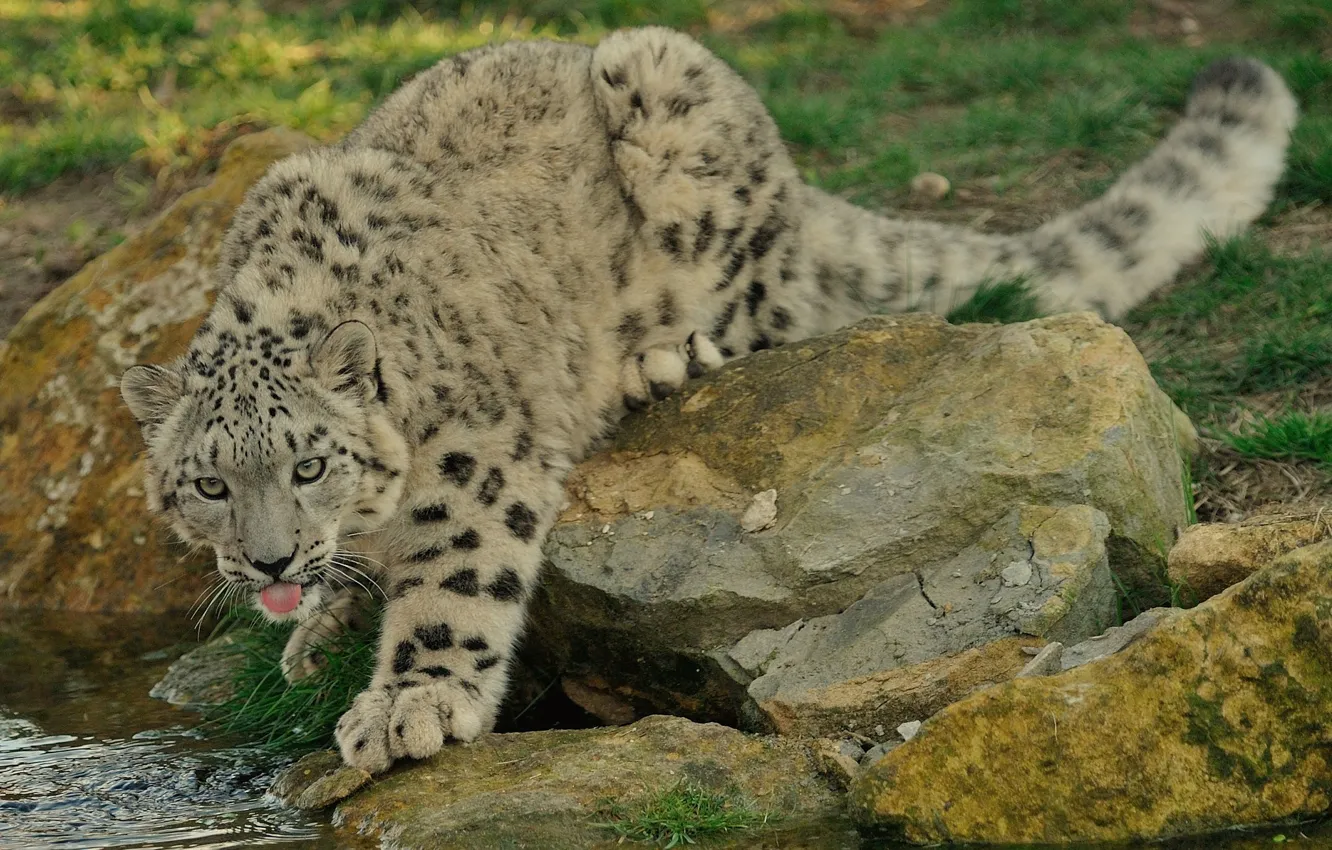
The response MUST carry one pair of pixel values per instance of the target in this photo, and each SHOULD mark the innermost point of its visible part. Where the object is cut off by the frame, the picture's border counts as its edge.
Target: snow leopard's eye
(309, 471)
(211, 488)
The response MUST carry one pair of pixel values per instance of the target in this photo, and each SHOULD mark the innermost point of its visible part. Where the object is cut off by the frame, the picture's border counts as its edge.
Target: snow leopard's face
(271, 457)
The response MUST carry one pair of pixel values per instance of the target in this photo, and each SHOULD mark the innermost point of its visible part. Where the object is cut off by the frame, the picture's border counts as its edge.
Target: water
(89, 760)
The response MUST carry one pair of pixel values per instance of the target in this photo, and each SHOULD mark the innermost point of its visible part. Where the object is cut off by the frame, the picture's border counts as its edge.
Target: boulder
(74, 532)
(560, 788)
(1217, 717)
(901, 451)
(1209, 557)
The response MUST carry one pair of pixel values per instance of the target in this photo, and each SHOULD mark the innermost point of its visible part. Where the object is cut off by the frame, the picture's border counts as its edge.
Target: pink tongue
(281, 597)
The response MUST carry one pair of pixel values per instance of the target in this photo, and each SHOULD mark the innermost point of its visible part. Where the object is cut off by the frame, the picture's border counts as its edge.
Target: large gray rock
(559, 788)
(1040, 572)
(899, 450)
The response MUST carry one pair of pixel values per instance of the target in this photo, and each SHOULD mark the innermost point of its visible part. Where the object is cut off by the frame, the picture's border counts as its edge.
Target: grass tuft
(1285, 358)
(282, 717)
(682, 814)
(1293, 435)
(998, 302)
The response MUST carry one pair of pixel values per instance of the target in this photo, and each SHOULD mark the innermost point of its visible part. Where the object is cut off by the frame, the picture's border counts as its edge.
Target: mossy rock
(74, 530)
(1214, 719)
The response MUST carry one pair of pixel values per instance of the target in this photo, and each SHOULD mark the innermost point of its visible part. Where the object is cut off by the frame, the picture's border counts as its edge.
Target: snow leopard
(421, 328)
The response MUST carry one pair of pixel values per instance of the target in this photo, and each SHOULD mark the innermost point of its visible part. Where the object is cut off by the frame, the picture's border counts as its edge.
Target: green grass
(1294, 435)
(682, 814)
(282, 717)
(1000, 301)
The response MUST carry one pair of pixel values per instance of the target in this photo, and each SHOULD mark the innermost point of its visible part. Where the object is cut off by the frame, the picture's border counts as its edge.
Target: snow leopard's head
(271, 450)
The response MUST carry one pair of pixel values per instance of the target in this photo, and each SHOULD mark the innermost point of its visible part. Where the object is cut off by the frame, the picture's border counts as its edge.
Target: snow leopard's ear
(346, 361)
(150, 392)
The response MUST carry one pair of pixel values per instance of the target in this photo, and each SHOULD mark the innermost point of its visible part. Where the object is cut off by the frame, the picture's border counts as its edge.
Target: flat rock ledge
(1215, 718)
(559, 788)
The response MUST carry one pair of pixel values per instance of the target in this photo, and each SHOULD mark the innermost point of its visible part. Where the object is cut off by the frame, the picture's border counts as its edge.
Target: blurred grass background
(1026, 106)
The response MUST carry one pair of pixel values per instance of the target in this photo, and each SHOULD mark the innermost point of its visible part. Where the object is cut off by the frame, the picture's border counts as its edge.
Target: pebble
(909, 729)
(761, 513)
(929, 186)
(1016, 574)
(876, 752)
(1046, 663)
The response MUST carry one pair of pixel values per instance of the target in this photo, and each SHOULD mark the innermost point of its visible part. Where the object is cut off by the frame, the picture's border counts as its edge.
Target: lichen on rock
(1214, 718)
(74, 531)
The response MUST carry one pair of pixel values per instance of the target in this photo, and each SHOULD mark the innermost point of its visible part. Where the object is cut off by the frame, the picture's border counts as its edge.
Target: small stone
(1031, 650)
(649, 514)
(929, 186)
(1016, 574)
(836, 763)
(332, 788)
(1188, 26)
(761, 513)
(1046, 663)
(876, 752)
(202, 677)
(909, 729)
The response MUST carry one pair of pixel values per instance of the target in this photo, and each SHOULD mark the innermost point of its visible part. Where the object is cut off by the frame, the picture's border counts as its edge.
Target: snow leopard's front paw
(659, 372)
(426, 717)
(415, 722)
(362, 733)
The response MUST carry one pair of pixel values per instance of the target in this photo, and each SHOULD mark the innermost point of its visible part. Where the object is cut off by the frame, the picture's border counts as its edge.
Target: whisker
(214, 584)
(214, 595)
(365, 557)
(341, 570)
(342, 578)
(350, 565)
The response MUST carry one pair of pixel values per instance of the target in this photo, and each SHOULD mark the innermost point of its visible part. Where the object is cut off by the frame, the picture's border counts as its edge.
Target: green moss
(1208, 727)
(1307, 636)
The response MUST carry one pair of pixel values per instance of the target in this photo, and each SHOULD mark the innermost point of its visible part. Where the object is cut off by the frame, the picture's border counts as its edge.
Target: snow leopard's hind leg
(757, 258)
(703, 167)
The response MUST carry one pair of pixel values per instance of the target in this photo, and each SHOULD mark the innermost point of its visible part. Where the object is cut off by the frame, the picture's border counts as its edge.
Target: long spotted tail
(1213, 174)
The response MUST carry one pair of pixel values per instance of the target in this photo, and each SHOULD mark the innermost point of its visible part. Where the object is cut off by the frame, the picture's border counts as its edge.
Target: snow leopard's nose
(273, 569)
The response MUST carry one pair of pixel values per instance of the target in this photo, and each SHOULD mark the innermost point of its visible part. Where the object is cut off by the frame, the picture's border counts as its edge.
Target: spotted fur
(443, 311)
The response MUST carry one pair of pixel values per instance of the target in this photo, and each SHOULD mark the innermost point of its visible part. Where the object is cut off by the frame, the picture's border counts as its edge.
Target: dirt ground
(48, 235)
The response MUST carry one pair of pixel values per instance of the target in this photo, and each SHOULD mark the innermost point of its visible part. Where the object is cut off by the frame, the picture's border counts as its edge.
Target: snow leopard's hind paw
(658, 373)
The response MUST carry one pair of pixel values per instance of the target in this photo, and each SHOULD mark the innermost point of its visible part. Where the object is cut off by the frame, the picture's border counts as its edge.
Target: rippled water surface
(88, 759)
